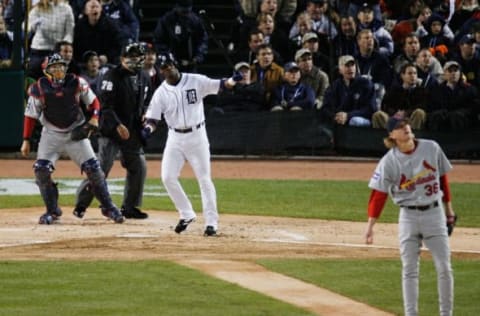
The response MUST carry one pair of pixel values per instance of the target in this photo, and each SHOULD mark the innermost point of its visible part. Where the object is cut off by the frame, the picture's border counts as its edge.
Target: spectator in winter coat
(292, 95)
(121, 12)
(349, 100)
(382, 36)
(97, 32)
(312, 75)
(181, 32)
(455, 103)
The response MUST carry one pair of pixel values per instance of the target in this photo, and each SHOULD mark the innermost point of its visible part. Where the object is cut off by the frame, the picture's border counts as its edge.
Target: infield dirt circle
(242, 239)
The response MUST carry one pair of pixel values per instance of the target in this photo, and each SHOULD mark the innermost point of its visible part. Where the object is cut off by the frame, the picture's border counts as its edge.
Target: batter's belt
(188, 129)
(421, 207)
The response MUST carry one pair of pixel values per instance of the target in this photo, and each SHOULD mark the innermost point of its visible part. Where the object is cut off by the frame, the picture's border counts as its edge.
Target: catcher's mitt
(83, 131)
(451, 222)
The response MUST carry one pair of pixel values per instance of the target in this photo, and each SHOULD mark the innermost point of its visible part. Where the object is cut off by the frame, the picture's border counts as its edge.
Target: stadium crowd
(357, 62)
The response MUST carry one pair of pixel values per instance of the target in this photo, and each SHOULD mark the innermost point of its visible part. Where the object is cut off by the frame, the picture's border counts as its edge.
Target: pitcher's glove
(451, 222)
(83, 131)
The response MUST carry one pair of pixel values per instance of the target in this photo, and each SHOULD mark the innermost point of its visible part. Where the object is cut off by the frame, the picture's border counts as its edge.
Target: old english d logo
(192, 96)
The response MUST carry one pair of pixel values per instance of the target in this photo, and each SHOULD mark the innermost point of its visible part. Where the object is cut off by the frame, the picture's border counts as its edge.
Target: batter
(180, 100)
(413, 172)
(55, 101)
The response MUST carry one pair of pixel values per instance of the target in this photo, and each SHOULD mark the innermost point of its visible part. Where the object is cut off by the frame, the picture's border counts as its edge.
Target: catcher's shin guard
(98, 184)
(48, 189)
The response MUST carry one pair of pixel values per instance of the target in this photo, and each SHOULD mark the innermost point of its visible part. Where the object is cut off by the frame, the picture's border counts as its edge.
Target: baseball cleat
(134, 213)
(46, 219)
(183, 224)
(114, 214)
(210, 231)
(79, 211)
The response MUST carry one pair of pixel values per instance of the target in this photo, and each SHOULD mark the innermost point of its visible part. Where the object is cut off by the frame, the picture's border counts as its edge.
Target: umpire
(125, 93)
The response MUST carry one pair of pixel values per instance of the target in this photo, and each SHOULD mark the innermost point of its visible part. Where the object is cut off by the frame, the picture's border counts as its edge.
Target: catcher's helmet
(55, 59)
(164, 60)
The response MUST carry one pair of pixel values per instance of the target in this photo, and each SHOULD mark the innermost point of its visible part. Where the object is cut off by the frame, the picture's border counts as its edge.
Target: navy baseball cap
(467, 39)
(395, 122)
(291, 66)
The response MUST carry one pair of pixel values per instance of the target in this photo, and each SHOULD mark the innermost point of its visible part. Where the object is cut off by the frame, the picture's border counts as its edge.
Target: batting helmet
(164, 60)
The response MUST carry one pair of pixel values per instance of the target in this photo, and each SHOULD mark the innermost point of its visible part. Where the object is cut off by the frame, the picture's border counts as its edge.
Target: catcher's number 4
(107, 85)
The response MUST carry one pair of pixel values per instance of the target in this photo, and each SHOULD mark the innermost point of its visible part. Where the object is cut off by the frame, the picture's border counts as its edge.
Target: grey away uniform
(412, 180)
(56, 106)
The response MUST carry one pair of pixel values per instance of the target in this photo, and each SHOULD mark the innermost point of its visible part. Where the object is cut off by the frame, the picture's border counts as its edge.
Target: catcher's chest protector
(60, 103)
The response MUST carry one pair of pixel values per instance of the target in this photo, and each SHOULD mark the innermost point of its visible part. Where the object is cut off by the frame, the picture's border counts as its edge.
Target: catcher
(414, 172)
(54, 101)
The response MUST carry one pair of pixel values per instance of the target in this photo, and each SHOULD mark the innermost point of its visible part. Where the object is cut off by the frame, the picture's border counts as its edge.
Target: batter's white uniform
(182, 108)
(413, 182)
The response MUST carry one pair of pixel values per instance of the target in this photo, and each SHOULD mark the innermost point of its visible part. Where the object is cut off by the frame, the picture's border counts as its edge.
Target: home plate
(136, 235)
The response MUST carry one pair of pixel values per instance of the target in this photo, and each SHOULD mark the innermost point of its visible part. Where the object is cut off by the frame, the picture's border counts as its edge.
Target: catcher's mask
(55, 67)
(134, 56)
(165, 60)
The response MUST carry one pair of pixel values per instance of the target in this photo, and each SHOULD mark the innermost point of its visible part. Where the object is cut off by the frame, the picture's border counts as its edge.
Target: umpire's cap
(134, 50)
(164, 60)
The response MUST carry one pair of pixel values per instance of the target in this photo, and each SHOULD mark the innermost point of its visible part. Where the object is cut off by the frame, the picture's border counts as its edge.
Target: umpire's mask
(133, 56)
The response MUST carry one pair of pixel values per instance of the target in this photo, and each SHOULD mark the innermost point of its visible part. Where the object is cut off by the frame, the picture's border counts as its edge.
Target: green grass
(162, 288)
(333, 200)
(378, 282)
(125, 288)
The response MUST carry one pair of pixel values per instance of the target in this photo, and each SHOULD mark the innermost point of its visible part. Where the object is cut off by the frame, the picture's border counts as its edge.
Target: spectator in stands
(408, 99)
(303, 25)
(266, 72)
(321, 60)
(247, 13)
(345, 43)
(246, 96)
(249, 54)
(349, 100)
(356, 5)
(6, 45)
(414, 25)
(121, 12)
(410, 49)
(312, 75)
(273, 36)
(181, 32)
(454, 102)
(382, 36)
(150, 66)
(321, 22)
(292, 95)
(411, 9)
(92, 71)
(466, 10)
(372, 65)
(95, 31)
(65, 49)
(435, 40)
(429, 71)
(50, 22)
(466, 58)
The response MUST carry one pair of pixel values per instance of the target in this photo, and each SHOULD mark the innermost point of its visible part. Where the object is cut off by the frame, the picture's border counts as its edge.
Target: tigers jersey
(182, 104)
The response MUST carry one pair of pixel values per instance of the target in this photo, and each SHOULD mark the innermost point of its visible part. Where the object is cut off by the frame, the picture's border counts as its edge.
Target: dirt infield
(242, 240)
